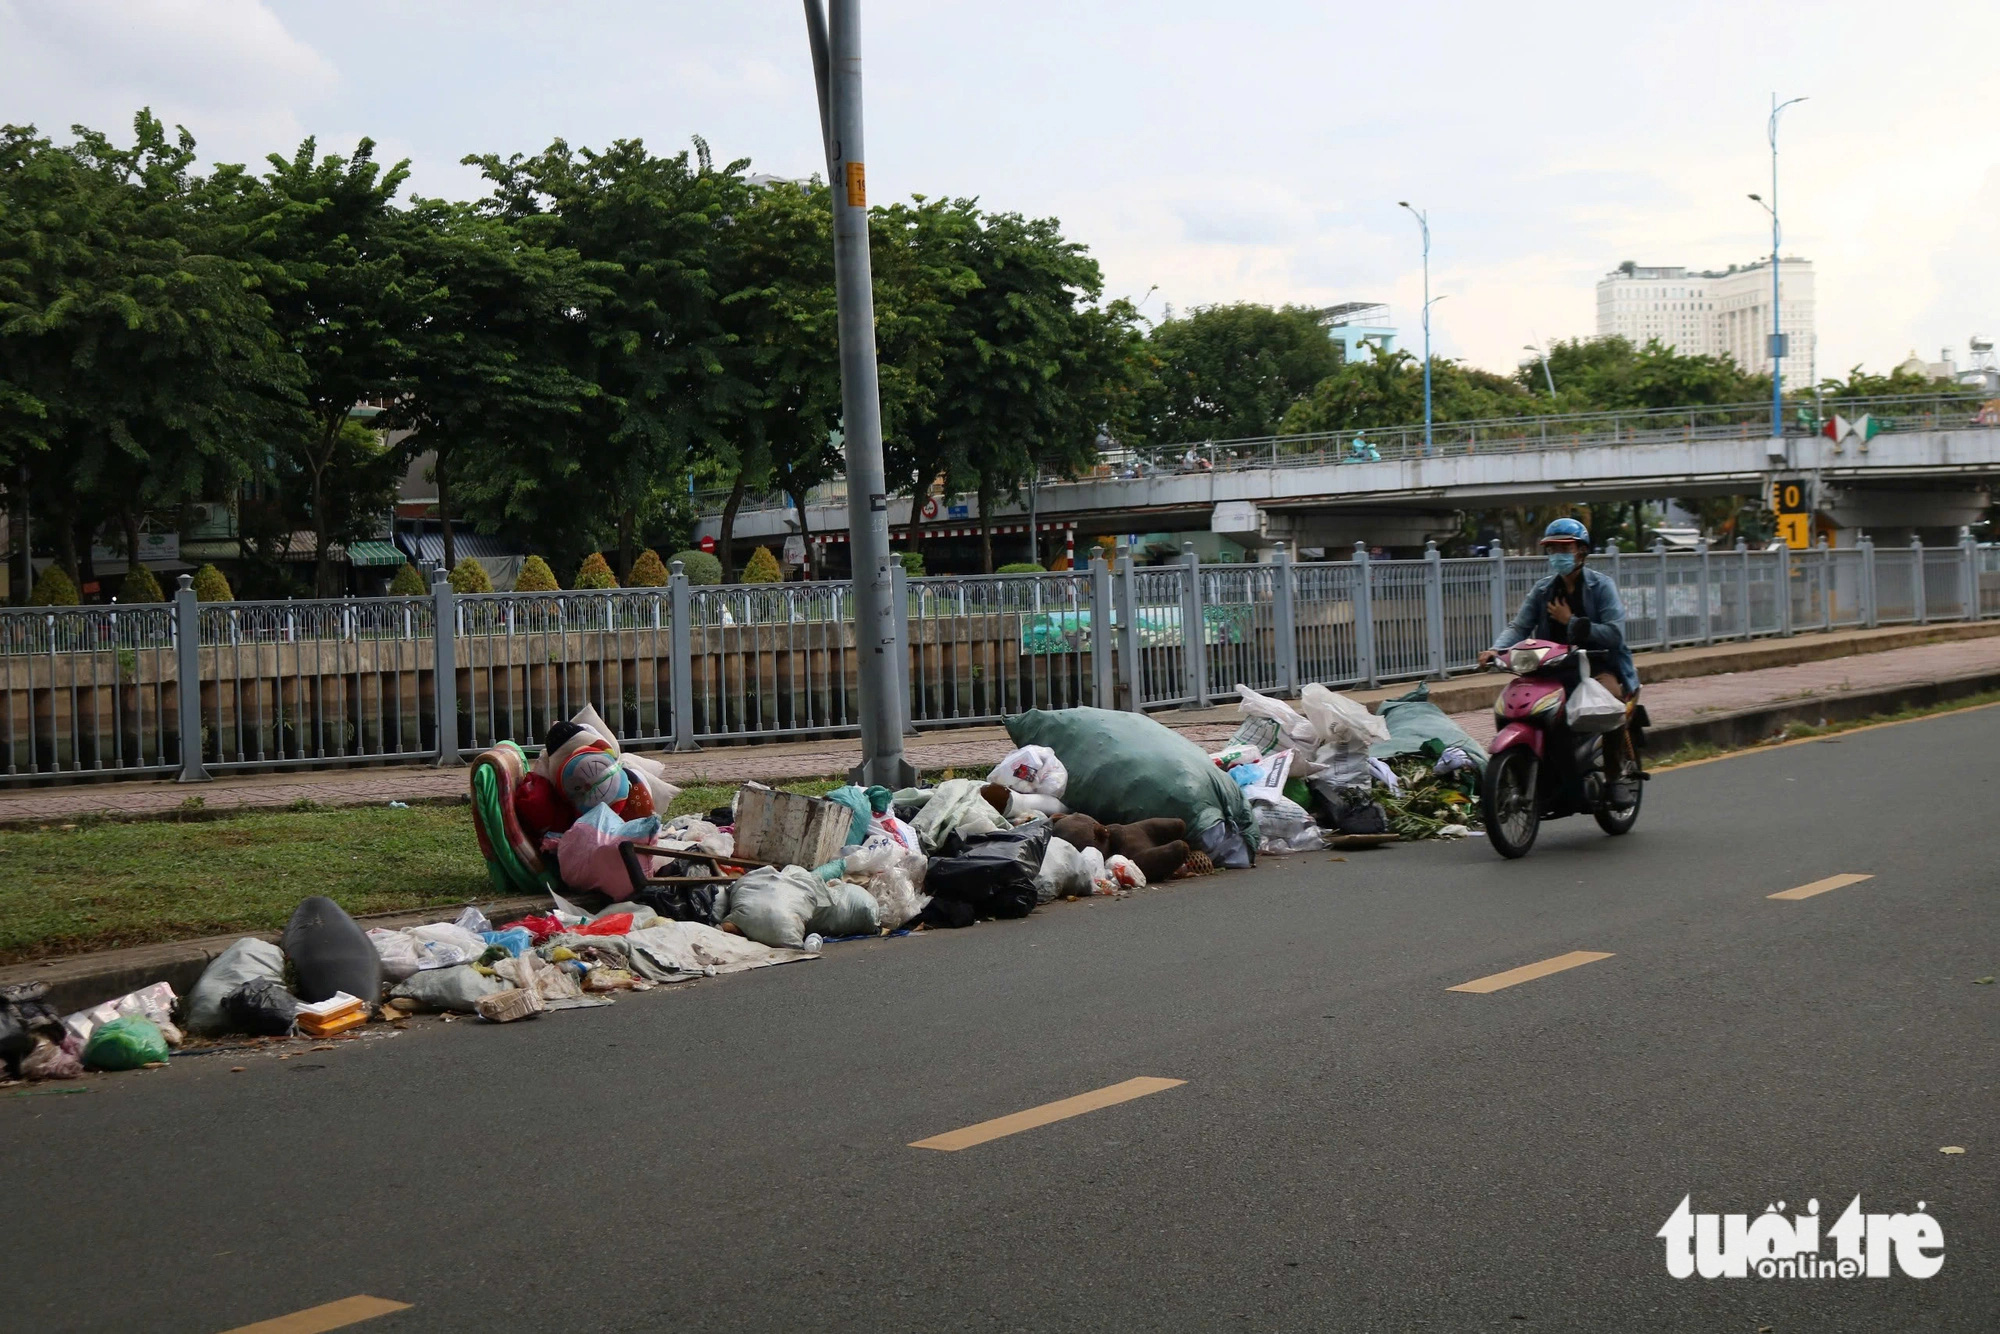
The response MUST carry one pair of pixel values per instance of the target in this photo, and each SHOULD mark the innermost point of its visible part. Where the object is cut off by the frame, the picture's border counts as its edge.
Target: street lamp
(1424, 222)
(1777, 342)
(1547, 374)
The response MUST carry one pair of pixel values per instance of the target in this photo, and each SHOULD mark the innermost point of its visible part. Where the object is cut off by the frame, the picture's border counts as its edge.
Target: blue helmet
(1567, 530)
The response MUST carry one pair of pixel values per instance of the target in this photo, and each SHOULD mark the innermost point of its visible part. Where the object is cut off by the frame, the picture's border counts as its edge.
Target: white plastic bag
(1032, 769)
(1063, 873)
(399, 953)
(1022, 805)
(1335, 717)
(1284, 826)
(957, 804)
(1593, 709)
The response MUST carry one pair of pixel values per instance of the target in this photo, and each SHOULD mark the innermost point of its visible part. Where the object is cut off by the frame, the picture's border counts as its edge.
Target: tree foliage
(469, 576)
(763, 568)
(408, 583)
(1230, 372)
(595, 572)
(648, 571)
(699, 567)
(535, 577)
(212, 585)
(54, 588)
(140, 586)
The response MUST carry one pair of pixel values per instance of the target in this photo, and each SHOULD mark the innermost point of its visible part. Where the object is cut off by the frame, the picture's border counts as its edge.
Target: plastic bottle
(813, 943)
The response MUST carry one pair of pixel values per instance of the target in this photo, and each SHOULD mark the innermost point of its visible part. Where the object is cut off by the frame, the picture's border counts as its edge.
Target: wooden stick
(692, 856)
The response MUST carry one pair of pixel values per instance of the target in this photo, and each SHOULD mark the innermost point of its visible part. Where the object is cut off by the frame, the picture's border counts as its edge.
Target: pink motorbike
(1542, 767)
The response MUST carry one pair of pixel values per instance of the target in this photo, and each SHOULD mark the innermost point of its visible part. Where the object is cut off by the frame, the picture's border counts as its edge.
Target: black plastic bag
(24, 1017)
(331, 953)
(994, 873)
(262, 1007)
(681, 903)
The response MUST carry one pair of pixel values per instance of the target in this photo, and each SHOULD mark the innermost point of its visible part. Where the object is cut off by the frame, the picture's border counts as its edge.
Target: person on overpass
(1576, 606)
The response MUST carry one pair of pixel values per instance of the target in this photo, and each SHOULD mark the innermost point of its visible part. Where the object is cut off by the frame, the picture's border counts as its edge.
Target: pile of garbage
(1331, 772)
(1089, 803)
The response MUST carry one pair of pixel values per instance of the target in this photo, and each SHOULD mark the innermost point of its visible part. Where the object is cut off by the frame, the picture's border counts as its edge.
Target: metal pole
(1917, 589)
(1497, 588)
(1434, 608)
(1129, 664)
(1970, 550)
(899, 579)
(680, 640)
(1424, 222)
(1103, 686)
(1364, 619)
(187, 680)
(1284, 621)
(1777, 362)
(1707, 616)
(444, 674)
(835, 37)
(1867, 582)
(1194, 627)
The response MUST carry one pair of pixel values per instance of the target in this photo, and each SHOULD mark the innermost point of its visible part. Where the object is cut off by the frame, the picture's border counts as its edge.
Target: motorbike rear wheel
(1509, 806)
(1616, 820)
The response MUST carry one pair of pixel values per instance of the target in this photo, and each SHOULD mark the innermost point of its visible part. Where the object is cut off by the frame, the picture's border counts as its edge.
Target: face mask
(1561, 562)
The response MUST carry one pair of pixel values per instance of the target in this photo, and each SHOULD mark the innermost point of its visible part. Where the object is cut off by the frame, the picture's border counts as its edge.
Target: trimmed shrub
(408, 583)
(763, 568)
(535, 577)
(469, 576)
(1022, 567)
(649, 571)
(211, 585)
(699, 567)
(913, 563)
(54, 589)
(140, 586)
(595, 572)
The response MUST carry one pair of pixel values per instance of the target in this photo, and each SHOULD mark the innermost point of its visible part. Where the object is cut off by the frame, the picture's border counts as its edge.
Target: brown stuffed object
(996, 796)
(1155, 846)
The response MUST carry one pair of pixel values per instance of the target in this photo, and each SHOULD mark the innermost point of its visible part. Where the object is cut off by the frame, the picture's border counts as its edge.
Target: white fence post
(1434, 608)
(1364, 619)
(1284, 624)
(1969, 549)
(1497, 590)
(1102, 640)
(680, 643)
(1917, 589)
(1194, 629)
(899, 595)
(1707, 613)
(1784, 594)
(444, 674)
(1867, 582)
(1130, 665)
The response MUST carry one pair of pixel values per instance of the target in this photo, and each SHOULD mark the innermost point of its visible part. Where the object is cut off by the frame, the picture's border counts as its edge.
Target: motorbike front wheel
(1508, 804)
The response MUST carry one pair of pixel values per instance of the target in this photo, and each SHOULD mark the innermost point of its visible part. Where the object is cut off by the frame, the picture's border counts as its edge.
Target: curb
(1748, 727)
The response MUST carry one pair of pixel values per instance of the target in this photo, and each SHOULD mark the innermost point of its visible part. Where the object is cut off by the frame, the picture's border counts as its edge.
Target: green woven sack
(1124, 767)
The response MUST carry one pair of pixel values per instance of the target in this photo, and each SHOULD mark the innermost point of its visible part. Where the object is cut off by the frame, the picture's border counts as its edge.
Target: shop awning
(373, 553)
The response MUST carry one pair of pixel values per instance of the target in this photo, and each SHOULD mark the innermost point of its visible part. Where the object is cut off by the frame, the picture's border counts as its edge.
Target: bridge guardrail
(97, 692)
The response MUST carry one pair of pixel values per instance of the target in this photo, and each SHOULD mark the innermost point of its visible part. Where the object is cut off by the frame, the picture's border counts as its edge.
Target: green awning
(374, 553)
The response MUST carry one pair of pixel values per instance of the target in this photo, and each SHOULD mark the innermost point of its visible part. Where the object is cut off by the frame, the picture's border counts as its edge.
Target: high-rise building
(1710, 313)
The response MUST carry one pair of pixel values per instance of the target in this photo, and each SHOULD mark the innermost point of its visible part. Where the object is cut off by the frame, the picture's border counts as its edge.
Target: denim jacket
(1598, 626)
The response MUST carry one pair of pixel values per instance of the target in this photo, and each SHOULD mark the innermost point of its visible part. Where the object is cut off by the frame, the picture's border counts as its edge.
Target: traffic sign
(1789, 503)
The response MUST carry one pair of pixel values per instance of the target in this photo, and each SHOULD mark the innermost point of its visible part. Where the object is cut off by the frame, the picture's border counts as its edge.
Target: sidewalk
(1680, 685)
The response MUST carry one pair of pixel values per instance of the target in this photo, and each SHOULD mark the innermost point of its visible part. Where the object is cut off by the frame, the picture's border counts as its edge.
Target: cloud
(228, 69)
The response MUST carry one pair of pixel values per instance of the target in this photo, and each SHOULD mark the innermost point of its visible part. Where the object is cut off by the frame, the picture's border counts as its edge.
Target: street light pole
(834, 34)
(1777, 345)
(1424, 222)
(1547, 374)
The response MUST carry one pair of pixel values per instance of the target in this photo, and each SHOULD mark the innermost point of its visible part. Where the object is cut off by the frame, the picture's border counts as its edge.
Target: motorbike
(1542, 768)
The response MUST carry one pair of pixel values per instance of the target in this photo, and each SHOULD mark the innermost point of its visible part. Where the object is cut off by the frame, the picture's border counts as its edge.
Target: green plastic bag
(125, 1044)
(1124, 767)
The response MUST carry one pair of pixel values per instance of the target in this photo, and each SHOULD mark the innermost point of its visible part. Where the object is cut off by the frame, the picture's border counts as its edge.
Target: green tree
(699, 567)
(469, 576)
(211, 585)
(648, 571)
(763, 568)
(1231, 372)
(595, 572)
(348, 309)
(140, 586)
(408, 583)
(1387, 389)
(648, 341)
(137, 366)
(53, 588)
(487, 370)
(535, 577)
(1610, 374)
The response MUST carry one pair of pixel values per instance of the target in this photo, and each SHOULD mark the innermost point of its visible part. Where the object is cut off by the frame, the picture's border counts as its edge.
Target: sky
(1204, 153)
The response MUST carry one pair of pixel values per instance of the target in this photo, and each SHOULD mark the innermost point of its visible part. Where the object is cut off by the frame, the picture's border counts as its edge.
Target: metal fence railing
(99, 691)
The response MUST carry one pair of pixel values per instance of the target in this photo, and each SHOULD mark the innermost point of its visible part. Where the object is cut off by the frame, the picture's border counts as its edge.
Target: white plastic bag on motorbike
(1592, 709)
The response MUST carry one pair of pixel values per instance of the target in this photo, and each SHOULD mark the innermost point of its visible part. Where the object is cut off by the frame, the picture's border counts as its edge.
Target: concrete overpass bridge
(1889, 467)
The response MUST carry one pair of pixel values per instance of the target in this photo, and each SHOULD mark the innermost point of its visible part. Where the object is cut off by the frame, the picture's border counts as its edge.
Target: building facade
(1713, 313)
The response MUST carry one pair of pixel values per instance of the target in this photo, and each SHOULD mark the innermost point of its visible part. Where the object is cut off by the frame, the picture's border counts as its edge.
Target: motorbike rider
(1579, 607)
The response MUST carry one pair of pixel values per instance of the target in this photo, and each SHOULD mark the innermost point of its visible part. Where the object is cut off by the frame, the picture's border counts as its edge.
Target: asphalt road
(1354, 1146)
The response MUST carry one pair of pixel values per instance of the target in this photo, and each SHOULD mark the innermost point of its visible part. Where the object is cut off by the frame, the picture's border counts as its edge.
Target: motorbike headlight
(1524, 659)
